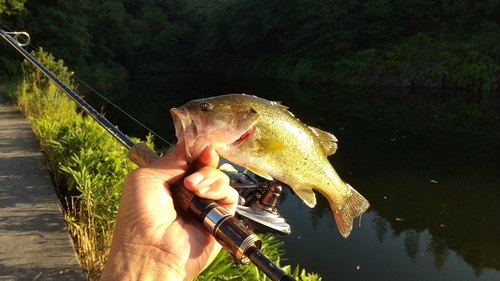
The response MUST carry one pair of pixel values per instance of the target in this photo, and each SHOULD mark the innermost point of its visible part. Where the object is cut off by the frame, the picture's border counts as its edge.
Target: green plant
(223, 269)
(38, 96)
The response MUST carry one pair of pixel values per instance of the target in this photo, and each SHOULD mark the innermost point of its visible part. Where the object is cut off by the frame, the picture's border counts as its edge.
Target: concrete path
(33, 243)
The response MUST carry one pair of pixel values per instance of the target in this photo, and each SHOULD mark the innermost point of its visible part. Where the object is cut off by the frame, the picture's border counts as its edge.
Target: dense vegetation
(436, 43)
(88, 167)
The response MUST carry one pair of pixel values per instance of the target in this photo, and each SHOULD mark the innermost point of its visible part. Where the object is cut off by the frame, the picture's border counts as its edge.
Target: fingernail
(204, 190)
(195, 178)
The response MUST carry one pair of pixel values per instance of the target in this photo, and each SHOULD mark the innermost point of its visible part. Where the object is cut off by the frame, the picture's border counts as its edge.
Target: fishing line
(6, 27)
(122, 111)
(27, 42)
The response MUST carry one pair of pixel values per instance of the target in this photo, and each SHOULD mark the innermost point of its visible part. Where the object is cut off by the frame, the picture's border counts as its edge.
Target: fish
(265, 138)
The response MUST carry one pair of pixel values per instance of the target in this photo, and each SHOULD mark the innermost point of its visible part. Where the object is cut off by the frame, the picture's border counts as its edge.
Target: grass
(88, 167)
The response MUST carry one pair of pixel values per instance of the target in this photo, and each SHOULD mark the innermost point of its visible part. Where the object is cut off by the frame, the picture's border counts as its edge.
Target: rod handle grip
(142, 155)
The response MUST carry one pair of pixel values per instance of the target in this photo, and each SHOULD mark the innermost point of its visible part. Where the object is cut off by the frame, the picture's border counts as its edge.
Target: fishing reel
(257, 202)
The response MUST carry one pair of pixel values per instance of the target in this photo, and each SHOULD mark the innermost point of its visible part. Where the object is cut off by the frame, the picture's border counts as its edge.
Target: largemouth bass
(267, 139)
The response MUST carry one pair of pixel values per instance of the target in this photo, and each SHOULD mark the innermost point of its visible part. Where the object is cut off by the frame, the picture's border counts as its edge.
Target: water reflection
(434, 190)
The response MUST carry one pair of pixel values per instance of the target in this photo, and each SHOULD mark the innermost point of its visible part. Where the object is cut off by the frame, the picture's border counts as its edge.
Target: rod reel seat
(257, 204)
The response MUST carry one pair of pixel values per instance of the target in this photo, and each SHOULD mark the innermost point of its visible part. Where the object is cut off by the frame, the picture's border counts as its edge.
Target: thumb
(172, 166)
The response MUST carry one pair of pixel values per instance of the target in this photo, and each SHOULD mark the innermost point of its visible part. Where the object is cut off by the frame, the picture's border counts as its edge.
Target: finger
(202, 179)
(208, 157)
(222, 193)
(213, 184)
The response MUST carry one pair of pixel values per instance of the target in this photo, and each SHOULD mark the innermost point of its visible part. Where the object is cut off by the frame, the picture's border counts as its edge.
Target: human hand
(151, 241)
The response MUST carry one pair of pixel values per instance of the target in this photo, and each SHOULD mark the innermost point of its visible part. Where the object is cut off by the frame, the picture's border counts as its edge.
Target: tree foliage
(108, 41)
(11, 6)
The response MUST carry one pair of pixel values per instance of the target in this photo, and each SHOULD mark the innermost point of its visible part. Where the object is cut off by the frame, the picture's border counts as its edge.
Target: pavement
(33, 242)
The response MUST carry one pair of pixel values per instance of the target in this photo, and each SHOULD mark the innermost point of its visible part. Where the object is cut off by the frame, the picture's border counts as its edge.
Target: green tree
(108, 41)
(61, 27)
(11, 6)
(213, 45)
(10, 60)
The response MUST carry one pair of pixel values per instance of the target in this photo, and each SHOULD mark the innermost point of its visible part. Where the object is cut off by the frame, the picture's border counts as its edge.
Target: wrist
(141, 264)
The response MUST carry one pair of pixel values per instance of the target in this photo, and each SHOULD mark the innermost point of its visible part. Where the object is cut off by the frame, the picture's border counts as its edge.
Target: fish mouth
(182, 122)
(184, 129)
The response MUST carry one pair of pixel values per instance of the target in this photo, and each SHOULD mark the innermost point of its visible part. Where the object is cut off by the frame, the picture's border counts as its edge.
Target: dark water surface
(427, 162)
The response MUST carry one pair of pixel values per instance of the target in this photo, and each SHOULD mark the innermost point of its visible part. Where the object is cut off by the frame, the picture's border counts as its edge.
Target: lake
(426, 160)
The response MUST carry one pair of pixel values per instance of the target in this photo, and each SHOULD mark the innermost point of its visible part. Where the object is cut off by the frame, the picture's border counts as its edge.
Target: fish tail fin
(355, 205)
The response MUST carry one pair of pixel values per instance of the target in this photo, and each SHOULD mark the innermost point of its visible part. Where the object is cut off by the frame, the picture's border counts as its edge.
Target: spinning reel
(257, 203)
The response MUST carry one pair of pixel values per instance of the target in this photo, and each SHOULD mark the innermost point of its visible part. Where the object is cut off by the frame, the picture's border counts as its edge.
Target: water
(434, 214)
(434, 190)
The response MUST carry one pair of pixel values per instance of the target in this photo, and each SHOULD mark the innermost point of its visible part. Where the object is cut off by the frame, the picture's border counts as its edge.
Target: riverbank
(34, 244)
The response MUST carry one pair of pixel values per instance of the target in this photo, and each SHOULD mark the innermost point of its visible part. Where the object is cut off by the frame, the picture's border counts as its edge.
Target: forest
(407, 43)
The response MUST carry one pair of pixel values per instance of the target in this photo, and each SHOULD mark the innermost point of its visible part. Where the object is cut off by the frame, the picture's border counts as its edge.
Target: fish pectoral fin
(259, 172)
(306, 194)
(270, 145)
(328, 141)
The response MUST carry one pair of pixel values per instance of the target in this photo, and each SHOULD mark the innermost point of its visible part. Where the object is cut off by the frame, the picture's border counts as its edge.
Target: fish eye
(205, 106)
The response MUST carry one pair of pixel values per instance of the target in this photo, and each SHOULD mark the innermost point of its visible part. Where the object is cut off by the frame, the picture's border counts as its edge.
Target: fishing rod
(242, 243)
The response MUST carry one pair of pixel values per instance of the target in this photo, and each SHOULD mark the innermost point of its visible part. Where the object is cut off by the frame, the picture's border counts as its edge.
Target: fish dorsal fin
(282, 107)
(327, 140)
(306, 194)
(279, 105)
